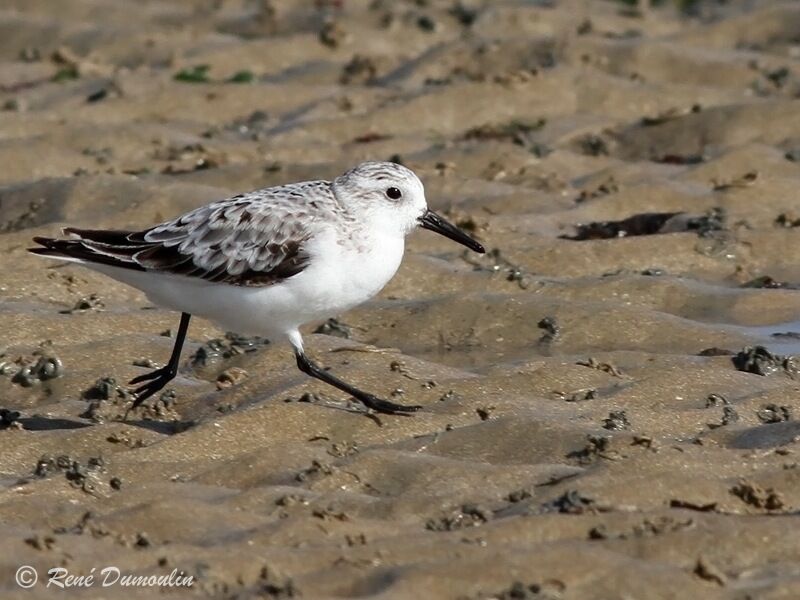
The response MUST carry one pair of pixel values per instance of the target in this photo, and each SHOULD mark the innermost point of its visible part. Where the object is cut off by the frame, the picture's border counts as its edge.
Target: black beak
(430, 220)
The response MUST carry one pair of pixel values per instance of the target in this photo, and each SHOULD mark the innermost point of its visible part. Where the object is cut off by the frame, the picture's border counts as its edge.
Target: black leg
(157, 379)
(368, 400)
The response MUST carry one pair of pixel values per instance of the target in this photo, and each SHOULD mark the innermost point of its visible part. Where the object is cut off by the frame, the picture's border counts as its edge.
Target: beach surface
(611, 403)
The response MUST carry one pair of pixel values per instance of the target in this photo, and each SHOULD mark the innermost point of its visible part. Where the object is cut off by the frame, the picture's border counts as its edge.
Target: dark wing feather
(86, 250)
(255, 239)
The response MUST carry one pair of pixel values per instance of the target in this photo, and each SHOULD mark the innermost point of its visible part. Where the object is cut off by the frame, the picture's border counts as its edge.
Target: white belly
(337, 278)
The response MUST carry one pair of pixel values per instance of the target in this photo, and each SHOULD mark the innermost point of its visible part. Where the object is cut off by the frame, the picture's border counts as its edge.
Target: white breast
(343, 274)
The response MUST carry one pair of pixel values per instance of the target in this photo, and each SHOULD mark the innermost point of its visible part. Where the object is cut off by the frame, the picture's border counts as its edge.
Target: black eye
(394, 193)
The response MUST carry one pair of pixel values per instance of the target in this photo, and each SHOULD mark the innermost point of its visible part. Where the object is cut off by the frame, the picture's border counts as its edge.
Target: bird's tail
(114, 248)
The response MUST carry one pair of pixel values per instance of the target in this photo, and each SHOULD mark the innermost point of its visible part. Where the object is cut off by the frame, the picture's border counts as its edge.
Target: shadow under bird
(268, 261)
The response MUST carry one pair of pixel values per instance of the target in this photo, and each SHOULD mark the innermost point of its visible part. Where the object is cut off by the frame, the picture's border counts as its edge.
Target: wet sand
(598, 421)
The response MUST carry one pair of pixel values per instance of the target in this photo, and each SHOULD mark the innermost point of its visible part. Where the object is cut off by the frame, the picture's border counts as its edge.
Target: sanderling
(268, 261)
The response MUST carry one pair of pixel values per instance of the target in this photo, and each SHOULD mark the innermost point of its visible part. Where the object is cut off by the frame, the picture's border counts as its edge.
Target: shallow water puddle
(781, 338)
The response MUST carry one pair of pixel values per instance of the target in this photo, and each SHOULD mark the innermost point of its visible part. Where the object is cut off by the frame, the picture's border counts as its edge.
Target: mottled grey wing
(247, 240)
(253, 239)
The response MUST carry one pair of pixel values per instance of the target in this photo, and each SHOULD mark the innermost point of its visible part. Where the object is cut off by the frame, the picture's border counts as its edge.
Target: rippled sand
(591, 429)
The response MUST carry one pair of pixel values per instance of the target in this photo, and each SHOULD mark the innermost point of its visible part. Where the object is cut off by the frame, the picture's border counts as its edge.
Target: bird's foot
(154, 381)
(154, 374)
(385, 407)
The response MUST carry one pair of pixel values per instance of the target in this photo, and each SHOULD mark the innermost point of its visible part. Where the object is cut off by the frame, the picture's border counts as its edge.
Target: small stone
(426, 23)
(716, 400)
(230, 377)
(774, 413)
(360, 70)
(15, 105)
(616, 420)
(485, 412)
(705, 570)
(9, 419)
(333, 34)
